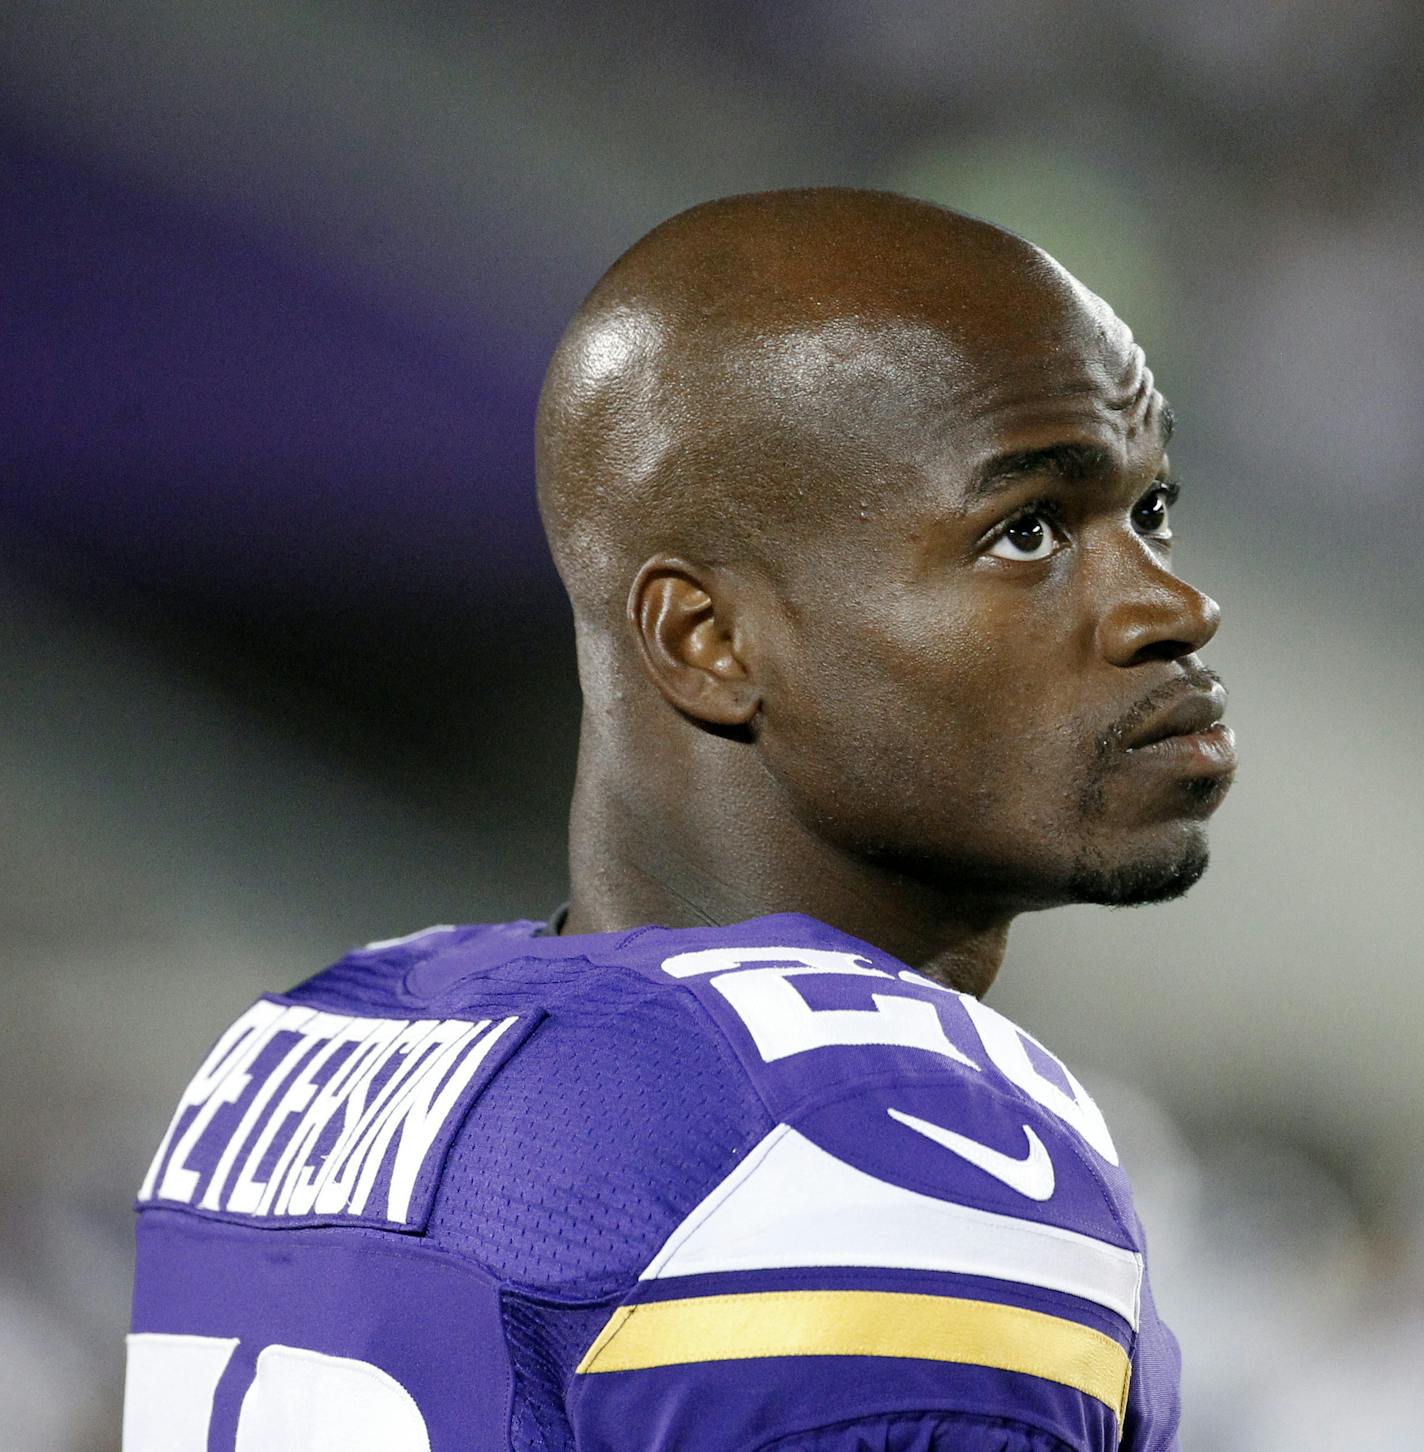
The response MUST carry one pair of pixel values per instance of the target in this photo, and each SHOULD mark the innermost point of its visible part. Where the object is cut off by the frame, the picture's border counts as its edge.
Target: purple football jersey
(707, 1189)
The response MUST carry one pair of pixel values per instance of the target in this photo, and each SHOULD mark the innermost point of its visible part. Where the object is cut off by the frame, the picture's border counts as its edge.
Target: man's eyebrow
(1073, 462)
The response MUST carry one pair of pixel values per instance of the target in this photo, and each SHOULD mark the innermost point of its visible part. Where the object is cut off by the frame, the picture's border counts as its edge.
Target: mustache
(1194, 677)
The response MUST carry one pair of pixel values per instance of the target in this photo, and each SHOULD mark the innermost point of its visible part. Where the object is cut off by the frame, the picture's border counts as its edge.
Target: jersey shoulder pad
(936, 1193)
(866, 1063)
(832, 1031)
(624, 1109)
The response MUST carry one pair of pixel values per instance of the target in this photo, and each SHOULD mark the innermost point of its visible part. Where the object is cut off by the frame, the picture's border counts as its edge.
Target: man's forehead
(1105, 386)
(995, 313)
(944, 380)
(1070, 396)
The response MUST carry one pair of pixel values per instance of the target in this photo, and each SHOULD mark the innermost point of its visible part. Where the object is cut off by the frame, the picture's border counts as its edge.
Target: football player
(863, 509)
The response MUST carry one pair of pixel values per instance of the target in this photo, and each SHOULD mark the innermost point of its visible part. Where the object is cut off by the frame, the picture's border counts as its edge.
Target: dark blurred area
(288, 667)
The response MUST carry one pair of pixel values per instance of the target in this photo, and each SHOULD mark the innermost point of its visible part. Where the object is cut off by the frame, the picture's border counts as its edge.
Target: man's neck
(704, 858)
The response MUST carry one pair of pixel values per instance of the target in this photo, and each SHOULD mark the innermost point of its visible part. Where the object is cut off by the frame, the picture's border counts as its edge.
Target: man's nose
(1159, 618)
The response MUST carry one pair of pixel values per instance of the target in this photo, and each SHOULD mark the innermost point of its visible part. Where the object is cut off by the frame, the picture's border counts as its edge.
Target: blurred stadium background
(286, 667)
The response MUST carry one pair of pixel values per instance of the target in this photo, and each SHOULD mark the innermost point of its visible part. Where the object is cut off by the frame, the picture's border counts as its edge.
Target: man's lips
(1187, 737)
(1188, 715)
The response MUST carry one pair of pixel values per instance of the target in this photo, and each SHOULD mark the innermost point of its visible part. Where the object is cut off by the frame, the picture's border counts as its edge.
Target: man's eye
(1150, 514)
(1029, 537)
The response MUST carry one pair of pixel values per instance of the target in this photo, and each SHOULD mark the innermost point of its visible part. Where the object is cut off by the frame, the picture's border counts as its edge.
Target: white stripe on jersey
(791, 1203)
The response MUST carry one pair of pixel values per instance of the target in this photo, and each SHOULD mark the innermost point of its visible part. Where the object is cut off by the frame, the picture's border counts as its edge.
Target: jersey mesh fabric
(550, 1184)
(545, 1344)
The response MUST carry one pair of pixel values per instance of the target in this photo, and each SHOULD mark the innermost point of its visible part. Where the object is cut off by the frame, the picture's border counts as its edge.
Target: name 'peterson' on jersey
(302, 1115)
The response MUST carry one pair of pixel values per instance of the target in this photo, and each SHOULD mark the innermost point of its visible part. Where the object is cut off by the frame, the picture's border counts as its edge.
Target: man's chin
(1142, 881)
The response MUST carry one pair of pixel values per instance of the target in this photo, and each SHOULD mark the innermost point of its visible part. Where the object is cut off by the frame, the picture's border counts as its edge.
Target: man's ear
(682, 618)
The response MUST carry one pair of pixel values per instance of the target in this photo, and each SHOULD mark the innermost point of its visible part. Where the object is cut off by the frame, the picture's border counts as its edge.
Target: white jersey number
(756, 983)
(298, 1401)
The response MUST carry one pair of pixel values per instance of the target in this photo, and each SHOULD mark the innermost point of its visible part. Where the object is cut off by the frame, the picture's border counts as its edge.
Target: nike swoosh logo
(1031, 1177)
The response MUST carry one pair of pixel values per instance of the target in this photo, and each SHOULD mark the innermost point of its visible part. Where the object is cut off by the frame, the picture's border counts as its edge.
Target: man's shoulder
(930, 1184)
(805, 1025)
(800, 1067)
(466, 1080)
(888, 1091)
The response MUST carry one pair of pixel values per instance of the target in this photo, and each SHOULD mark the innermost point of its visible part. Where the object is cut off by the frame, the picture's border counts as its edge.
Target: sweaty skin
(862, 508)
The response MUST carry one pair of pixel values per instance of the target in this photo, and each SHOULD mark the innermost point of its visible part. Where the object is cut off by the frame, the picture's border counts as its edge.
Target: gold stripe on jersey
(863, 1323)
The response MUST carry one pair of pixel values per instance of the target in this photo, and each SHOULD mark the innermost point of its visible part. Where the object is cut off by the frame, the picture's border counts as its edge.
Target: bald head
(863, 509)
(757, 365)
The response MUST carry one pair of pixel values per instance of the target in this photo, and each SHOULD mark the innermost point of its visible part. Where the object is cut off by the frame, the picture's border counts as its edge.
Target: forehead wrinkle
(1136, 382)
